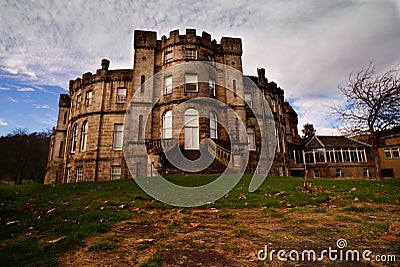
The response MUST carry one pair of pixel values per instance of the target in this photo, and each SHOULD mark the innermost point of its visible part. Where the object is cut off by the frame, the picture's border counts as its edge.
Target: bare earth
(211, 237)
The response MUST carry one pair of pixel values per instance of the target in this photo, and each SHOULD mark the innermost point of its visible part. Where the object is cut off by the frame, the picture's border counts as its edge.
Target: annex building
(86, 144)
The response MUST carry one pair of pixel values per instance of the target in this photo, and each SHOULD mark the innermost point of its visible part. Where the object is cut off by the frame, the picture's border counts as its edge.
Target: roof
(318, 141)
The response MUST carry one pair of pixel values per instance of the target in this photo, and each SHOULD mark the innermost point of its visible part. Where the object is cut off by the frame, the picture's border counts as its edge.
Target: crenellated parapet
(102, 75)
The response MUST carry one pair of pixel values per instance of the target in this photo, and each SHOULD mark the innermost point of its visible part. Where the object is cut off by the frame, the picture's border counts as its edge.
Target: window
(213, 125)
(78, 101)
(191, 82)
(115, 172)
(168, 56)
(366, 172)
(88, 99)
(234, 87)
(330, 156)
(319, 156)
(191, 129)
(395, 152)
(140, 129)
(167, 124)
(361, 156)
(353, 156)
(168, 85)
(190, 53)
(309, 156)
(61, 150)
(79, 174)
(346, 156)
(118, 135)
(69, 175)
(316, 174)
(211, 87)
(142, 80)
(65, 117)
(338, 173)
(273, 106)
(248, 99)
(338, 156)
(251, 138)
(388, 153)
(74, 138)
(84, 135)
(121, 95)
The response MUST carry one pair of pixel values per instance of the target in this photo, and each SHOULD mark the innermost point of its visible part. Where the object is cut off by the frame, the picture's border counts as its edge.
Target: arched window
(167, 124)
(191, 129)
(74, 138)
(140, 128)
(213, 125)
(84, 135)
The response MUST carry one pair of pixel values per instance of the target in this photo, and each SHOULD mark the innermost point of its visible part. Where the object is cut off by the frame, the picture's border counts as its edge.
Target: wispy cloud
(26, 89)
(41, 106)
(4, 89)
(12, 99)
(3, 122)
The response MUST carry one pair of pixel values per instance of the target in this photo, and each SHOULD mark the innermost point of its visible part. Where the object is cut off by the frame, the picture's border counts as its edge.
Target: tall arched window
(213, 125)
(74, 138)
(140, 128)
(84, 135)
(191, 129)
(167, 124)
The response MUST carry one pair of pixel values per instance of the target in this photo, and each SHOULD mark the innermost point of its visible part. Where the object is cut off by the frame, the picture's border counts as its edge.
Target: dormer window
(190, 53)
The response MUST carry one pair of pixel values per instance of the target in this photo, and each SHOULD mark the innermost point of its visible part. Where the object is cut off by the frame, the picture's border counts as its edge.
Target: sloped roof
(319, 141)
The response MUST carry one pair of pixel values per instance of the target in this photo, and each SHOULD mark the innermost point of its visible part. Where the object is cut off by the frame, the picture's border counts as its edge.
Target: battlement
(101, 75)
(148, 39)
(64, 101)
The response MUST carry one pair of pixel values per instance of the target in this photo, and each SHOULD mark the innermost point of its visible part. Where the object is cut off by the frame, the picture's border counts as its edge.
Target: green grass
(50, 220)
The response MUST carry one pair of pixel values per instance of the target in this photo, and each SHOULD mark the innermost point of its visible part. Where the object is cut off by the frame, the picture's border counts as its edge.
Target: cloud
(12, 99)
(26, 89)
(4, 89)
(41, 106)
(307, 47)
(3, 122)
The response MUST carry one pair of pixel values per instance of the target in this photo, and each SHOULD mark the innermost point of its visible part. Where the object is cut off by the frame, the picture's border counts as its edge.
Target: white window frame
(121, 95)
(78, 101)
(167, 125)
(118, 136)
(84, 135)
(74, 138)
(168, 56)
(70, 175)
(248, 98)
(388, 153)
(190, 53)
(88, 99)
(191, 79)
(211, 87)
(116, 172)
(191, 129)
(168, 84)
(251, 138)
(397, 151)
(213, 125)
(79, 174)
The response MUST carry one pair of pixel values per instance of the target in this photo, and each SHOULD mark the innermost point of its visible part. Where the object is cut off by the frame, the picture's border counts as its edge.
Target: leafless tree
(372, 105)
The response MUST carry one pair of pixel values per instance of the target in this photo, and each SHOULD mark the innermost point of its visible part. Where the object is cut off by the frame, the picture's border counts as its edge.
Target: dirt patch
(210, 237)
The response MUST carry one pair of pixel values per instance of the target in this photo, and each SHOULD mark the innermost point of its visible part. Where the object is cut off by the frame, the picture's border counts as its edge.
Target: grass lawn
(38, 223)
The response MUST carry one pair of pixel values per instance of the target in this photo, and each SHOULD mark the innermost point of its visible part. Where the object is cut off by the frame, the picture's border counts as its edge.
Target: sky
(308, 47)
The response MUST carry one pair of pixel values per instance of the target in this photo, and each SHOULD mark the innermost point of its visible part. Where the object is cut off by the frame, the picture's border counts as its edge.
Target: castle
(86, 144)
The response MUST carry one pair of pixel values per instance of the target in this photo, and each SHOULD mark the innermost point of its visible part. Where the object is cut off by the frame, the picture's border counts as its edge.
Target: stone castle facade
(86, 144)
